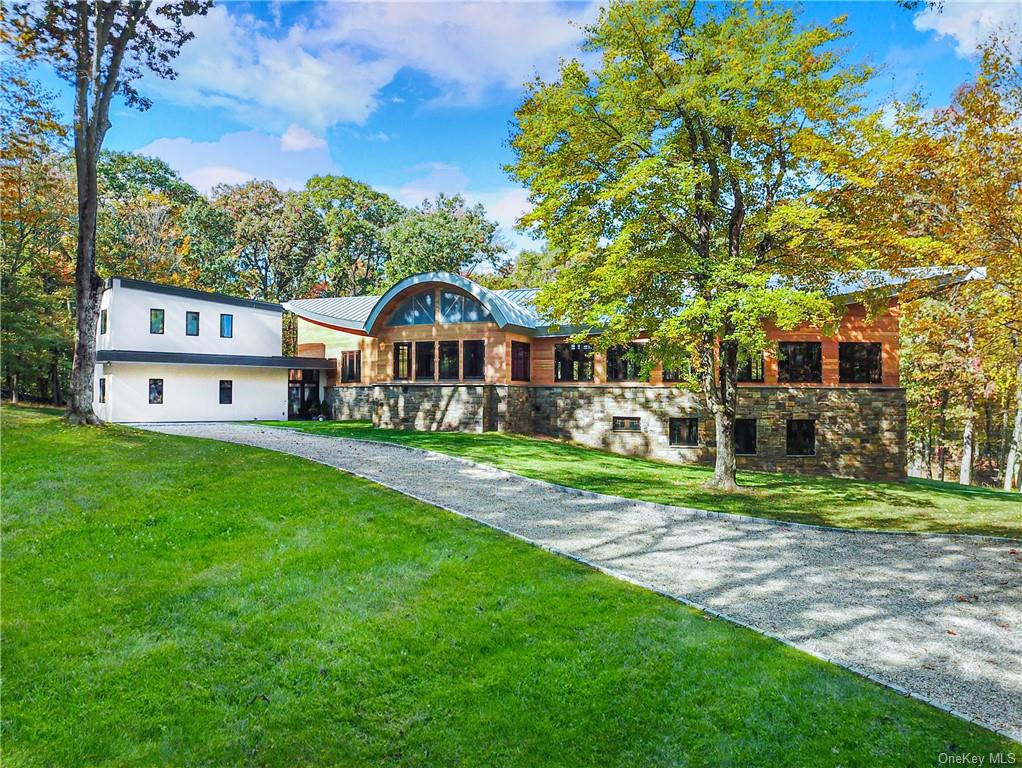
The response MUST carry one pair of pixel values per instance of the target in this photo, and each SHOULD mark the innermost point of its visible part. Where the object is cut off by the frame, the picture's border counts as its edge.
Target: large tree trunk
(968, 445)
(13, 381)
(1014, 447)
(58, 398)
(721, 393)
(942, 436)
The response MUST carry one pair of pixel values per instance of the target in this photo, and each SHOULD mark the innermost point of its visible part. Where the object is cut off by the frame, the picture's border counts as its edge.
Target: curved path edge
(1010, 726)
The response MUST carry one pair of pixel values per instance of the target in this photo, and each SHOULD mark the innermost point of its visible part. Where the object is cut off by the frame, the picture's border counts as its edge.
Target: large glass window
(156, 318)
(102, 389)
(474, 364)
(425, 352)
(191, 323)
(415, 310)
(521, 361)
(801, 438)
(860, 362)
(226, 391)
(226, 326)
(683, 432)
(624, 363)
(449, 362)
(155, 391)
(403, 360)
(573, 362)
(745, 437)
(800, 361)
(456, 308)
(351, 366)
(750, 367)
(102, 322)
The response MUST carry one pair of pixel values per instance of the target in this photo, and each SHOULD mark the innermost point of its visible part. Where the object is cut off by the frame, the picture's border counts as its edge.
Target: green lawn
(176, 601)
(916, 505)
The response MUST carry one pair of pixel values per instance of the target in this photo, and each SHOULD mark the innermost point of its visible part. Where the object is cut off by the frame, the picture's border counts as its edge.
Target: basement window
(155, 391)
(683, 432)
(626, 424)
(745, 437)
(801, 440)
(860, 362)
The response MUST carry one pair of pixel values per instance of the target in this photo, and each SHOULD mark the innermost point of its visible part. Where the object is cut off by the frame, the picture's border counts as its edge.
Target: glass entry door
(302, 393)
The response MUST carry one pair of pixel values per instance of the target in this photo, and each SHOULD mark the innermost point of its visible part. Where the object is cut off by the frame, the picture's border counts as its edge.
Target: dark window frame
(351, 366)
(453, 365)
(476, 374)
(399, 358)
(102, 389)
(751, 369)
(229, 389)
(155, 312)
(578, 358)
(690, 428)
(626, 423)
(623, 363)
(809, 368)
(156, 395)
(102, 322)
(755, 437)
(860, 362)
(521, 357)
(791, 435)
(430, 374)
(230, 331)
(188, 316)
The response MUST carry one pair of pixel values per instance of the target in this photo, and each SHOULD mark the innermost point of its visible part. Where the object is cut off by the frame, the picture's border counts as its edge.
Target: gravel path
(939, 616)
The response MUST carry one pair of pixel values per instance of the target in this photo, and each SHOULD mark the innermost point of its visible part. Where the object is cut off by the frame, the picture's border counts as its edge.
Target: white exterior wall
(257, 331)
(190, 392)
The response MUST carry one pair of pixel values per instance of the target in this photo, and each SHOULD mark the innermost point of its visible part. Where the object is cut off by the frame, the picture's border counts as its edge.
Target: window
(415, 310)
(226, 326)
(624, 363)
(351, 366)
(626, 424)
(449, 362)
(474, 364)
(102, 389)
(191, 323)
(521, 363)
(800, 361)
(226, 391)
(745, 437)
(677, 374)
(573, 362)
(750, 367)
(424, 359)
(455, 308)
(860, 362)
(403, 360)
(156, 317)
(684, 432)
(155, 391)
(102, 322)
(801, 437)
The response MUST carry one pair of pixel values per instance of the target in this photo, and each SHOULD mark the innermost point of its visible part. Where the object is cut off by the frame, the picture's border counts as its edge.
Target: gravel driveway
(939, 616)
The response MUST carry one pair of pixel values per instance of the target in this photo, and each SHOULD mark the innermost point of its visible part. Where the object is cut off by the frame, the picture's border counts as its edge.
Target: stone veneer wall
(860, 432)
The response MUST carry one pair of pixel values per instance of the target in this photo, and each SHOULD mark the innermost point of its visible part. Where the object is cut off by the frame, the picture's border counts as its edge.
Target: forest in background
(958, 174)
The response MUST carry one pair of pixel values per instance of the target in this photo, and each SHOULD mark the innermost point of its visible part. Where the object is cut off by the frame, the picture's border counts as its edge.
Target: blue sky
(415, 98)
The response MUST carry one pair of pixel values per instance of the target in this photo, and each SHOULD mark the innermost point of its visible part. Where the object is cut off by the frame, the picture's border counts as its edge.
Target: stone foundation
(860, 432)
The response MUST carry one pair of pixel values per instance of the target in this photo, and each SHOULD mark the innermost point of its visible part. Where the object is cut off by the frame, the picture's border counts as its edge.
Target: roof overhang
(189, 358)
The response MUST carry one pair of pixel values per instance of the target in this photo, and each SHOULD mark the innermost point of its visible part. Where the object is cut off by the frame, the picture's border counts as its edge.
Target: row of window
(797, 361)
(157, 322)
(156, 391)
(431, 358)
(800, 437)
(420, 309)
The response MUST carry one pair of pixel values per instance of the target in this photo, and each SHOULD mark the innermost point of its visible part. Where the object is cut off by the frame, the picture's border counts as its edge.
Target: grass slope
(175, 601)
(916, 505)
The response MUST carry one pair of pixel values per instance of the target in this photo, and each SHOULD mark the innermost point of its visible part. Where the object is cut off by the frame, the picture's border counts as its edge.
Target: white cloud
(241, 156)
(970, 22)
(330, 67)
(297, 139)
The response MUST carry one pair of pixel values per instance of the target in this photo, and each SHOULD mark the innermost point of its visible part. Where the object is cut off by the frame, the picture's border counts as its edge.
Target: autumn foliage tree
(698, 180)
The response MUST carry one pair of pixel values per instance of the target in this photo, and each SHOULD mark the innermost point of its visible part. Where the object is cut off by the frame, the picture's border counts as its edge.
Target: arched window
(456, 308)
(415, 310)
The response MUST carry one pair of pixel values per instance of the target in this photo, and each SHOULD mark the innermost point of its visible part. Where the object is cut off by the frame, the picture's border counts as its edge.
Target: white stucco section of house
(190, 392)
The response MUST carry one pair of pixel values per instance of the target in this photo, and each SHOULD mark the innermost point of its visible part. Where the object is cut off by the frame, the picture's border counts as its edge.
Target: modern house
(166, 353)
(440, 352)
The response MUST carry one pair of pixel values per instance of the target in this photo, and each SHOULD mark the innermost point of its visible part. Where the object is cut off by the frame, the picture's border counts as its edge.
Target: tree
(355, 217)
(699, 181)
(101, 48)
(208, 245)
(444, 235)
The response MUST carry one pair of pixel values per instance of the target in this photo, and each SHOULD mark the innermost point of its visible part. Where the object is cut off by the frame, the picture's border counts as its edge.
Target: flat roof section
(189, 358)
